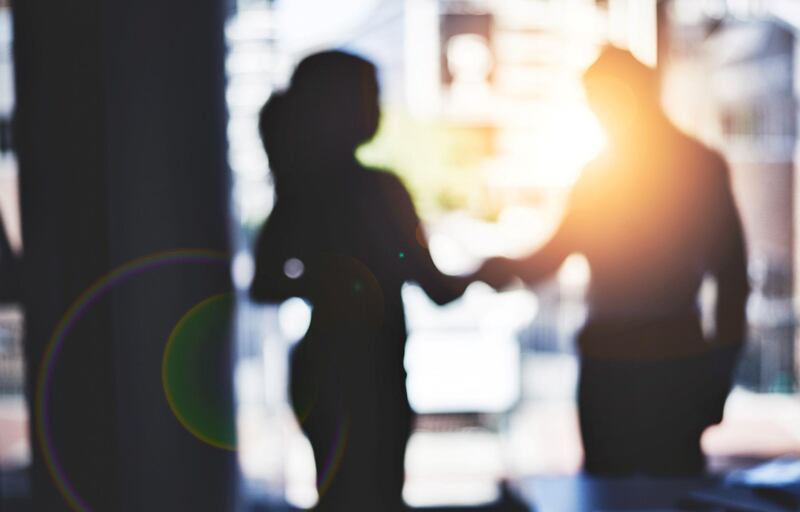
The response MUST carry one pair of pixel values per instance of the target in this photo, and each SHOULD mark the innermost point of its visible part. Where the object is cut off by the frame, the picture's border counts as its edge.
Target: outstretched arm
(543, 263)
(418, 264)
(499, 272)
(441, 288)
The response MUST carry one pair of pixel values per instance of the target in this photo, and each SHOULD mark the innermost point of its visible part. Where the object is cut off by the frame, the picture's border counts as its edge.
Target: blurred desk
(583, 494)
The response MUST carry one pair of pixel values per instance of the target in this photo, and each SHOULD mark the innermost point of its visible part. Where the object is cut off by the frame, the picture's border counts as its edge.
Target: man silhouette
(653, 215)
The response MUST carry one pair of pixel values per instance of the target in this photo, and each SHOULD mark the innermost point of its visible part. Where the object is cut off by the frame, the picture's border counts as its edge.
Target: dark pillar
(61, 140)
(169, 190)
(121, 147)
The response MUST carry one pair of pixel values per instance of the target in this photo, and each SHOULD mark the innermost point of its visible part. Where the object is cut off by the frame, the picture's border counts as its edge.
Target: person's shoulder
(711, 160)
(712, 156)
(713, 166)
(390, 192)
(383, 176)
(698, 164)
(386, 181)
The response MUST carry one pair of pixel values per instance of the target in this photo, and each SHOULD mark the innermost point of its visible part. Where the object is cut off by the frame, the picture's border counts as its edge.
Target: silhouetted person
(345, 238)
(653, 215)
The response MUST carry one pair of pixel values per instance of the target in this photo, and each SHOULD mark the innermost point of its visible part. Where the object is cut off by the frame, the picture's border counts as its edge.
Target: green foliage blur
(442, 164)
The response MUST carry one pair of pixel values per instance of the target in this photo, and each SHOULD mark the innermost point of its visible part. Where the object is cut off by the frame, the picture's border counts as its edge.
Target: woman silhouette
(345, 238)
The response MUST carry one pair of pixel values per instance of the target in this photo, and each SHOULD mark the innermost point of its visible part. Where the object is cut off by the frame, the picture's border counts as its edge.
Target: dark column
(168, 190)
(61, 139)
(120, 131)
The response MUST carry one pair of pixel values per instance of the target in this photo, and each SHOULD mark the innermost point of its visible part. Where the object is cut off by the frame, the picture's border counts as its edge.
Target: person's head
(622, 92)
(335, 94)
(328, 110)
(276, 126)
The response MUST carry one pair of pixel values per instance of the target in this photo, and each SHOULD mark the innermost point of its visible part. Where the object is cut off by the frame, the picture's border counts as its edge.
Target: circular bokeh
(195, 350)
(76, 311)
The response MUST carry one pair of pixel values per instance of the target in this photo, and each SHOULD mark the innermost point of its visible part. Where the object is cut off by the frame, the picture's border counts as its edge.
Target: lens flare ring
(169, 377)
(335, 456)
(77, 309)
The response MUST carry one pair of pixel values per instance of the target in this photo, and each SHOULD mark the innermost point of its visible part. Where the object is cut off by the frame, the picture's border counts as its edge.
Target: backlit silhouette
(345, 238)
(653, 216)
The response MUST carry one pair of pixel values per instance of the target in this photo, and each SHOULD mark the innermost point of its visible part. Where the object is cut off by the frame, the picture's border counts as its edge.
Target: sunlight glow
(574, 139)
